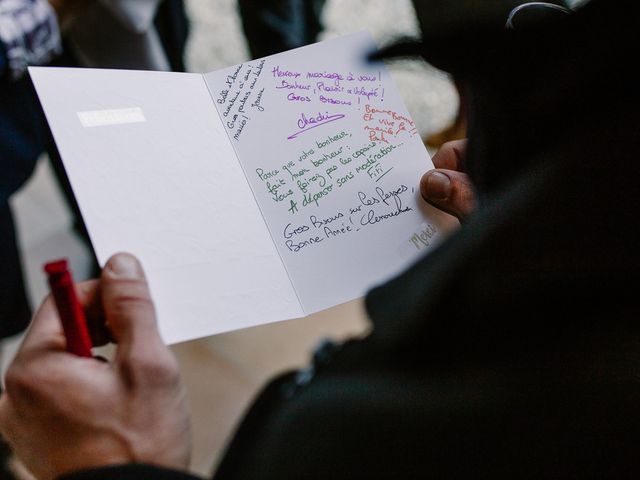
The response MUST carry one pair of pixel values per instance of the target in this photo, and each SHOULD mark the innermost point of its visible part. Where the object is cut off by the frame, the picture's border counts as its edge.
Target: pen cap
(58, 273)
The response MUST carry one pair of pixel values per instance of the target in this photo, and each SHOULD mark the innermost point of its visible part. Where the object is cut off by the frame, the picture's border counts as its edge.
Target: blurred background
(224, 372)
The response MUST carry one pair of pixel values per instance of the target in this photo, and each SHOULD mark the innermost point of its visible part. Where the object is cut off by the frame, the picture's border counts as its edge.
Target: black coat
(513, 350)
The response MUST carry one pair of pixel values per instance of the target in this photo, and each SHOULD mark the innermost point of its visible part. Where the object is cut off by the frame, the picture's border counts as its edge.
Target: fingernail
(438, 186)
(124, 265)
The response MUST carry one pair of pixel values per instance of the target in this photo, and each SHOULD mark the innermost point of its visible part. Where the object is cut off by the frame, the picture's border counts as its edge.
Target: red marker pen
(71, 314)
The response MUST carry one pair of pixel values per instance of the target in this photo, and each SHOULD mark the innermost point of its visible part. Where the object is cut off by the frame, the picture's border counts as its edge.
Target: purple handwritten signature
(307, 123)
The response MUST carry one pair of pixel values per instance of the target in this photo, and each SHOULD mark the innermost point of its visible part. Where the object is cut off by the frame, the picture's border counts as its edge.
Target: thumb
(128, 308)
(449, 190)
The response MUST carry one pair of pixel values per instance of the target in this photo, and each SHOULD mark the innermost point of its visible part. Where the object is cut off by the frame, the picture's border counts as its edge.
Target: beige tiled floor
(222, 373)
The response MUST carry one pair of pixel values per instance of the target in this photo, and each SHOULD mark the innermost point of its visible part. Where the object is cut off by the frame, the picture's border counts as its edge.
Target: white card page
(262, 192)
(168, 189)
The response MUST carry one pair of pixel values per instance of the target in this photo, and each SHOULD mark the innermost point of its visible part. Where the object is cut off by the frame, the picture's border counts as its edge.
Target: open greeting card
(262, 192)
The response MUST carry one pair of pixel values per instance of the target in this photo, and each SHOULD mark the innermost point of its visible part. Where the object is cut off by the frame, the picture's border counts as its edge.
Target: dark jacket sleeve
(3, 60)
(129, 472)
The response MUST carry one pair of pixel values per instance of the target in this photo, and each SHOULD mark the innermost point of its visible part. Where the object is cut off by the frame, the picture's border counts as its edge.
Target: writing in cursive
(307, 123)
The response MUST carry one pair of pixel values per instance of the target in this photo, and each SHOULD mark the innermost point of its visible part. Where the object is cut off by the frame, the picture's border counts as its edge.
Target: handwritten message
(313, 90)
(342, 140)
(368, 208)
(333, 160)
(327, 87)
(323, 166)
(386, 125)
(327, 155)
(241, 99)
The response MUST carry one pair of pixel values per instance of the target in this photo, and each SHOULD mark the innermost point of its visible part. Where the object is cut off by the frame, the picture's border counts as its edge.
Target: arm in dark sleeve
(130, 472)
(3, 61)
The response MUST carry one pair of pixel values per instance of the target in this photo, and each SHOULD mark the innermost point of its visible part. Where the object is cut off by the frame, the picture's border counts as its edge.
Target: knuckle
(19, 383)
(156, 370)
(131, 287)
(130, 305)
(131, 295)
(12, 380)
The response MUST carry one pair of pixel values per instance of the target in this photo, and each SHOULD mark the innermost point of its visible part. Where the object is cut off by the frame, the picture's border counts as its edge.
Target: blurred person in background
(274, 26)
